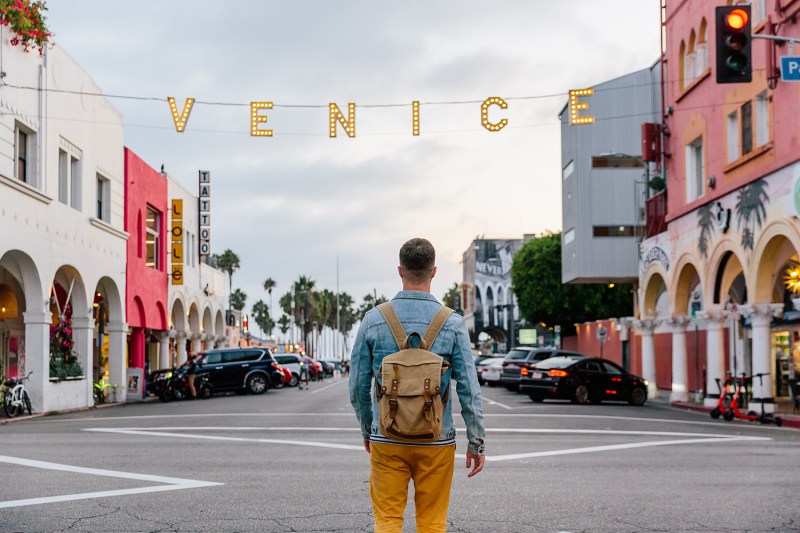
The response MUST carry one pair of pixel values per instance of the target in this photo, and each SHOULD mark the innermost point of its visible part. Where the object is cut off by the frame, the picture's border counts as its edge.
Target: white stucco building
(62, 239)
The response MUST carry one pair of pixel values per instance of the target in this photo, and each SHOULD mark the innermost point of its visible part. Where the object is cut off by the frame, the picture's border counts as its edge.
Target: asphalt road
(292, 460)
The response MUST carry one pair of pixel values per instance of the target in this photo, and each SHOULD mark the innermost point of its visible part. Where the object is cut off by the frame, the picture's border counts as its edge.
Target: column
(196, 343)
(220, 343)
(680, 389)
(82, 335)
(646, 328)
(37, 356)
(163, 349)
(760, 320)
(715, 354)
(117, 359)
(180, 339)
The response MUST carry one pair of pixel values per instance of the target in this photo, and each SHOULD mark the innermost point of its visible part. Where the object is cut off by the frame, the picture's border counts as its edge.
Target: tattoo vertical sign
(176, 257)
(205, 213)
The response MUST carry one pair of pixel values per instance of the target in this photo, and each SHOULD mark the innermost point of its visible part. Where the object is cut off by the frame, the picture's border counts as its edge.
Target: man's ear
(400, 271)
(433, 272)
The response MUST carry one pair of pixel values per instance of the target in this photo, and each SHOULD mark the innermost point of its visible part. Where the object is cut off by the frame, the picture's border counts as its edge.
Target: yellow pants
(391, 468)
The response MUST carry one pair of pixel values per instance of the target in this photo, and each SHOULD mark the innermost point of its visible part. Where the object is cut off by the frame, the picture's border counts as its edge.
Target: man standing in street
(394, 463)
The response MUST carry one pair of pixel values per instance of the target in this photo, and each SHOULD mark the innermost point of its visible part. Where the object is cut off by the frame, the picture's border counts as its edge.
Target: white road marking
(338, 382)
(703, 438)
(717, 425)
(170, 483)
(504, 406)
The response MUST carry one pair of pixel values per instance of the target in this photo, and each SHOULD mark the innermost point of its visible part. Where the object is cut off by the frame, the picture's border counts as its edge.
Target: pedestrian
(394, 462)
(305, 369)
(191, 368)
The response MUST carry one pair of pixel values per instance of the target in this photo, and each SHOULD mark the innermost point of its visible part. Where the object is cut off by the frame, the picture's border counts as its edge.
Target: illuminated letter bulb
(415, 117)
(576, 105)
(335, 114)
(494, 100)
(256, 119)
(180, 120)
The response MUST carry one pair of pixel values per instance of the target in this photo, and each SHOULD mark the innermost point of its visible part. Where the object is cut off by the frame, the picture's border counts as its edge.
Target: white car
(292, 362)
(489, 371)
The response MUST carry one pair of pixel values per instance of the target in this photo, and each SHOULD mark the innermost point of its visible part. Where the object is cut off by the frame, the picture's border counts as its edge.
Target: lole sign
(790, 68)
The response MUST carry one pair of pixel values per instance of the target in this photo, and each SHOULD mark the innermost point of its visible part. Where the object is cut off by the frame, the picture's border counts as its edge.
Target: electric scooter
(734, 412)
(725, 395)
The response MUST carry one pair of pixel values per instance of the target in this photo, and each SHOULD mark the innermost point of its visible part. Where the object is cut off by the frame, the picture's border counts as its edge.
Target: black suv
(250, 369)
(520, 359)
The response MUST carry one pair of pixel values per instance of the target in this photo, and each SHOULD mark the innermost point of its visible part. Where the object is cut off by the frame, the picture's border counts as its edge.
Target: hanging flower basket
(26, 20)
(63, 360)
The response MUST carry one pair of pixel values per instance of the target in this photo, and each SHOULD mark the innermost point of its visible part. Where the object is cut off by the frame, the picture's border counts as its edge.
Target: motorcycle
(176, 387)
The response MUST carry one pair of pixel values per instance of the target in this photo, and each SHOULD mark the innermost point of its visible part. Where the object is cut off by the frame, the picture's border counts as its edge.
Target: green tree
(270, 284)
(451, 296)
(369, 302)
(228, 262)
(238, 299)
(262, 317)
(536, 277)
(283, 323)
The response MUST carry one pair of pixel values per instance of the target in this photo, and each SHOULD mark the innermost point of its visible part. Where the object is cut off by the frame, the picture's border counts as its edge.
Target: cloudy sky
(289, 205)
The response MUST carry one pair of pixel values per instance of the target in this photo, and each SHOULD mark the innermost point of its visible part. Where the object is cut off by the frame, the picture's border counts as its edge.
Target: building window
(617, 231)
(733, 136)
(22, 156)
(187, 248)
(568, 170)
(747, 128)
(103, 198)
(69, 180)
(569, 236)
(694, 170)
(153, 240)
(762, 119)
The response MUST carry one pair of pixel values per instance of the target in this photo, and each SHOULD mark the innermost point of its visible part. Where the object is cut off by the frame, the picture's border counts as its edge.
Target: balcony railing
(656, 214)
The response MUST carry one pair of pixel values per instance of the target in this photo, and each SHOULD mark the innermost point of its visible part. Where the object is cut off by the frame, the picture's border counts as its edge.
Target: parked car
(328, 367)
(489, 371)
(250, 369)
(583, 380)
(291, 362)
(483, 357)
(521, 358)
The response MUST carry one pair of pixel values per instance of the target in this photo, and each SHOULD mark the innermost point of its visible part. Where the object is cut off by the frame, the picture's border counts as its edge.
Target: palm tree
(229, 262)
(284, 324)
(369, 302)
(261, 316)
(451, 296)
(270, 284)
(238, 299)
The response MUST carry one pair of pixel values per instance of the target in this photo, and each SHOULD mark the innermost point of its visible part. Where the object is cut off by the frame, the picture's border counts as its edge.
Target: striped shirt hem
(377, 437)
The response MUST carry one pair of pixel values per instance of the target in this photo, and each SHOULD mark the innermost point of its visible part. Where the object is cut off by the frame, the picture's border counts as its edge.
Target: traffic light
(733, 44)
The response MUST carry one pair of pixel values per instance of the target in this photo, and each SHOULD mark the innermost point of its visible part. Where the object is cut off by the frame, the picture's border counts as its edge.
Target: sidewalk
(789, 420)
(6, 420)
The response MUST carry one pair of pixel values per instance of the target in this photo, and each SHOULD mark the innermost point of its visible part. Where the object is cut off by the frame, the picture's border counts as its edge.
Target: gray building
(487, 300)
(604, 179)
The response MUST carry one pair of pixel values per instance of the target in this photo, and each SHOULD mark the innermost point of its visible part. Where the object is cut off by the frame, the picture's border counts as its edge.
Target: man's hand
(366, 445)
(477, 461)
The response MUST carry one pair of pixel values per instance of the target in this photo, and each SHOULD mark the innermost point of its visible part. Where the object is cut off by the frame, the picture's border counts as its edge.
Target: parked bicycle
(16, 399)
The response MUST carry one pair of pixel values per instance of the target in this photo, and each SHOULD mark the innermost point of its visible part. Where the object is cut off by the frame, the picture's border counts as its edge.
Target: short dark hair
(417, 257)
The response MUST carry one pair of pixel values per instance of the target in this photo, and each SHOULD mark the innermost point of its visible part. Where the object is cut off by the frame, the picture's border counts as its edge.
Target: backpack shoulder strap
(436, 325)
(394, 324)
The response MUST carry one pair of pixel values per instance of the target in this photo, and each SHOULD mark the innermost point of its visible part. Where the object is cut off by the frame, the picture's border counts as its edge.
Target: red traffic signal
(733, 41)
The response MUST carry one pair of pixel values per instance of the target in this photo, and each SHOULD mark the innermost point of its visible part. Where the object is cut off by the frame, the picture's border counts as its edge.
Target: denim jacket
(374, 341)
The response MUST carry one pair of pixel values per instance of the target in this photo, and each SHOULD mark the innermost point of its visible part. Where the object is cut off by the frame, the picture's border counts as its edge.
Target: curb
(5, 421)
(789, 421)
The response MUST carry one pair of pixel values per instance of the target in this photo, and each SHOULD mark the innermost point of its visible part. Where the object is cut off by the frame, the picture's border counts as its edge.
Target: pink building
(716, 283)
(146, 277)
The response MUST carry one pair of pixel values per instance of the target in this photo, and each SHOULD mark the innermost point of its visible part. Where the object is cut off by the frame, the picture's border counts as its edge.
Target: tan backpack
(410, 400)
